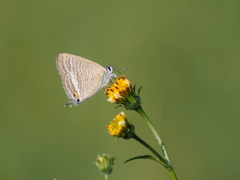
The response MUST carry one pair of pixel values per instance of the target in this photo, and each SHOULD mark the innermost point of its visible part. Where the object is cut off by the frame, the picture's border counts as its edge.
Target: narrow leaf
(143, 157)
(139, 90)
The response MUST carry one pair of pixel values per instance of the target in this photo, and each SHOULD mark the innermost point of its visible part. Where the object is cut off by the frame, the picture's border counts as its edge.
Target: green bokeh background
(185, 54)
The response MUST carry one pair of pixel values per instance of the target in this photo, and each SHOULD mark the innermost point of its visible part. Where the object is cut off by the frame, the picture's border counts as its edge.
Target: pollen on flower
(118, 90)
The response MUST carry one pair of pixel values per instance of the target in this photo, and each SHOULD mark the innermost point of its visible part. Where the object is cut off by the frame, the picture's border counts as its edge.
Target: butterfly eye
(109, 68)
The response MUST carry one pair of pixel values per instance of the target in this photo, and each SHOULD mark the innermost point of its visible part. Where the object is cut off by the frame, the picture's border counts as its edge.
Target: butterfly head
(110, 71)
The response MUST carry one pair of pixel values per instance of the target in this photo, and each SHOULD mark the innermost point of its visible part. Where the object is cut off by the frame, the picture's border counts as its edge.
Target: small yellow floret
(118, 126)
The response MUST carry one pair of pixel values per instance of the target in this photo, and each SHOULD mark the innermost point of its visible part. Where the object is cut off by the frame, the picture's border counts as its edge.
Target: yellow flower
(121, 92)
(118, 90)
(120, 127)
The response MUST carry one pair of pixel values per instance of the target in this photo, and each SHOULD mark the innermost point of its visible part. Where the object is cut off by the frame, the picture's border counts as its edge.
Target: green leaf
(139, 90)
(143, 157)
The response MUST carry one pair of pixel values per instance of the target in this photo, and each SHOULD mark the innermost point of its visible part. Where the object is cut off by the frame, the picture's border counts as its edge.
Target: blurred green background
(185, 54)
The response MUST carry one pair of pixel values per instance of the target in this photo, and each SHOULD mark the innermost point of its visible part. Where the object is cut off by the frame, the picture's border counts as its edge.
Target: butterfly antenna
(119, 68)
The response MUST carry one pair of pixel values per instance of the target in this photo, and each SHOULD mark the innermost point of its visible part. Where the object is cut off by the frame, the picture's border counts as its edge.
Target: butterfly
(81, 78)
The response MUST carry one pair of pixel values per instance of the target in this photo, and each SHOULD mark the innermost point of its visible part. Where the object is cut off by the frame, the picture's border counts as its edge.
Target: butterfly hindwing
(85, 86)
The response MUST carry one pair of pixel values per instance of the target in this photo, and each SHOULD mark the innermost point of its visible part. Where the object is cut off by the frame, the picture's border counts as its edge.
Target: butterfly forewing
(68, 62)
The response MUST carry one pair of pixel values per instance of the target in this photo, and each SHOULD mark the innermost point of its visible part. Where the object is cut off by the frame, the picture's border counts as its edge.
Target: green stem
(160, 142)
(160, 158)
(172, 173)
(106, 176)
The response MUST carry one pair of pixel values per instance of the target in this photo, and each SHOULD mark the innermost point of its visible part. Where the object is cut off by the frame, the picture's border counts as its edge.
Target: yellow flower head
(121, 92)
(120, 127)
(118, 90)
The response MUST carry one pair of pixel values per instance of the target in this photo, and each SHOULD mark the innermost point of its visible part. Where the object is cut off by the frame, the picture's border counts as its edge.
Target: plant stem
(160, 158)
(106, 176)
(160, 142)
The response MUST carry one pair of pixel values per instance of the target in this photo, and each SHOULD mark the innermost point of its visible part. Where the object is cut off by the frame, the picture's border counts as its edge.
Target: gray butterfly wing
(81, 78)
